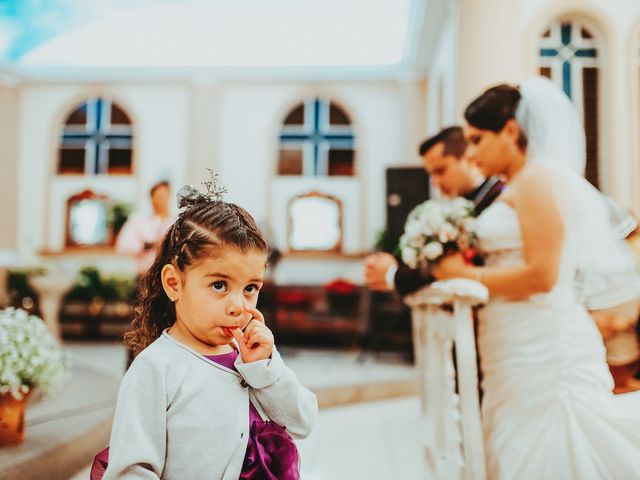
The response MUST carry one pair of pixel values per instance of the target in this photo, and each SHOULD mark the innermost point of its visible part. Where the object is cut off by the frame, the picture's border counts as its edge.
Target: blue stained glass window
(96, 139)
(317, 139)
(569, 54)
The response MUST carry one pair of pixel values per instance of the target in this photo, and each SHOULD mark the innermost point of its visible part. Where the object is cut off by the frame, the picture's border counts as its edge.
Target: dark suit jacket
(408, 280)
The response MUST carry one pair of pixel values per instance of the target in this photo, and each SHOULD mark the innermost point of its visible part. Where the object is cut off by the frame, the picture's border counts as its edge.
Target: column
(203, 144)
(51, 288)
(490, 48)
(9, 100)
(616, 159)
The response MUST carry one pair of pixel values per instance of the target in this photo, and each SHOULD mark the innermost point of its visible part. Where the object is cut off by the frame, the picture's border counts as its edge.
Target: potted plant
(95, 290)
(385, 241)
(20, 292)
(117, 215)
(342, 296)
(30, 358)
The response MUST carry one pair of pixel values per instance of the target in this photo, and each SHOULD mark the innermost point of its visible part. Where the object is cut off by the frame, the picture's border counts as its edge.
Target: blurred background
(311, 113)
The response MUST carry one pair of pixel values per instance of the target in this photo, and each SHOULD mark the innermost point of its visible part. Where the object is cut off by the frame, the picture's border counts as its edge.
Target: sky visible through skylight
(192, 33)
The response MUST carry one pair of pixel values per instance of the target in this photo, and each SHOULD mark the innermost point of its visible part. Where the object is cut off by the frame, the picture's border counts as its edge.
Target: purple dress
(271, 452)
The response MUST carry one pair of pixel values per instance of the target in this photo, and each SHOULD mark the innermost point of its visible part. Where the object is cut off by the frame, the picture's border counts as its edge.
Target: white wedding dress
(548, 410)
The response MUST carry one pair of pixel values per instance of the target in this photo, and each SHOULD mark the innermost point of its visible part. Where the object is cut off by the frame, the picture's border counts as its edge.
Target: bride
(548, 410)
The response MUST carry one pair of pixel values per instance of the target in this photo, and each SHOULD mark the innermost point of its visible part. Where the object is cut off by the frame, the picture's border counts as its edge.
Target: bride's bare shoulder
(535, 172)
(533, 182)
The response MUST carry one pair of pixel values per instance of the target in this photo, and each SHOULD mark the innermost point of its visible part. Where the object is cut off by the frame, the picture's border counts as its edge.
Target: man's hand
(375, 270)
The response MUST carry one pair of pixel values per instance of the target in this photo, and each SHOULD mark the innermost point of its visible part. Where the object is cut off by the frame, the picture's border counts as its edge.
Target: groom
(454, 175)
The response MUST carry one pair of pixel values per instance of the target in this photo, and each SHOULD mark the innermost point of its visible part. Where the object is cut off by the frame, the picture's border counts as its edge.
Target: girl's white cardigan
(182, 416)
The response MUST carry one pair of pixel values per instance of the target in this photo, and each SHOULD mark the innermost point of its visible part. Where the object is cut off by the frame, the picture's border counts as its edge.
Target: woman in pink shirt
(141, 233)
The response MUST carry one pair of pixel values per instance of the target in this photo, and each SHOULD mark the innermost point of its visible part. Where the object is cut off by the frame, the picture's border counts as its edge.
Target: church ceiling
(211, 33)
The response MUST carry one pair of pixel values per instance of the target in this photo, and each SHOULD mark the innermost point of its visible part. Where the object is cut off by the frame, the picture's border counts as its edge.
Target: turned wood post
(442, 316)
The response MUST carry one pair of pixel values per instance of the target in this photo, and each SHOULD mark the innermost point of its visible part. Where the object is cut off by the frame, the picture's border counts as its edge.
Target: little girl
(208, 395)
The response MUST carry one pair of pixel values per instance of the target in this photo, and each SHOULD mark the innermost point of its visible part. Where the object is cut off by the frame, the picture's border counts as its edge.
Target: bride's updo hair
(494, 108)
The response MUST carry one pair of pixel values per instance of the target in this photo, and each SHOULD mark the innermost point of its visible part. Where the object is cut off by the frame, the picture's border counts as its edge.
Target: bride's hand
(451, 266)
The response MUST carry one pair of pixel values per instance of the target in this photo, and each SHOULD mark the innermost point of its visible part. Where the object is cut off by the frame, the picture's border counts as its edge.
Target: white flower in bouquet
(468, 224)
(459, 208)
(410, 256)
(436, 227)
(432, 250)
(30, 357)
(448, 233)
(415, 230)
(433, 221)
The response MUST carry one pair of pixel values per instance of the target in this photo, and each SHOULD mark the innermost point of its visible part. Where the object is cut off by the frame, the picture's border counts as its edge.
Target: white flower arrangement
(436, 227)
(30, 357)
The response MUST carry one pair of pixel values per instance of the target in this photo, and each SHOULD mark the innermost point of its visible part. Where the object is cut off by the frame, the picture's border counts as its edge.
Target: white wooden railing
(442, 316)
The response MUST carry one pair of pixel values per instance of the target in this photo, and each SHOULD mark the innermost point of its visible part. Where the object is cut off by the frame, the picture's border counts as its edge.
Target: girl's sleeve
(285, 400)
(138, 437)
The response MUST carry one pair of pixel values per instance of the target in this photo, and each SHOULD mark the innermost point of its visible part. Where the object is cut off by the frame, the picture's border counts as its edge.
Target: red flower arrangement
(341, 287)
(342, 296)
(293, 298)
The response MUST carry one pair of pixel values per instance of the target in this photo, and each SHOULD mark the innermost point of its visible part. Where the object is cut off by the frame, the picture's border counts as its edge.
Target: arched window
(315, 223)
(96, 139)
(87, 222)
(570, 55)
(316, 140)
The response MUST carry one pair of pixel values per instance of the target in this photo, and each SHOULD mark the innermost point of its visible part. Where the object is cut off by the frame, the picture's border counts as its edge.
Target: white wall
(204, 130)
(293, 270)
(160, 114)
(489, 45)
(183, 127)
(441, 108)
(249, 119)
(618, 24)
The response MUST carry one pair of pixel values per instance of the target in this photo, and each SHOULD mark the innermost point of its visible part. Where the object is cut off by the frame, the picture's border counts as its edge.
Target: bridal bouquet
(435, 228)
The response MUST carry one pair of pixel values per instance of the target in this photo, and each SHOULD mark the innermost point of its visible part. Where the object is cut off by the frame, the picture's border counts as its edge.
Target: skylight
(227, 33)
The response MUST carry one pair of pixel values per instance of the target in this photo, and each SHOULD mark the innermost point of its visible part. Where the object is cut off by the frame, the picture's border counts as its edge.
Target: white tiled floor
(315, 367)
(366, 441)
(319, 368)
(107, 357)
(373, 440)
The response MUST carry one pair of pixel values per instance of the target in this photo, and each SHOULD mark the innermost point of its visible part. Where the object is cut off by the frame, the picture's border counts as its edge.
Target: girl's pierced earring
(171, 299)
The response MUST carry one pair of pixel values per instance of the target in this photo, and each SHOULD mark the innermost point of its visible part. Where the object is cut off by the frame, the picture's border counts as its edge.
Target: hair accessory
(215, 190)
(188, 195)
